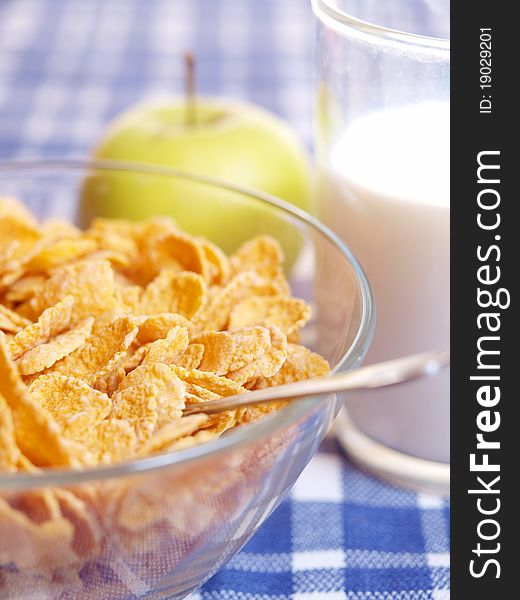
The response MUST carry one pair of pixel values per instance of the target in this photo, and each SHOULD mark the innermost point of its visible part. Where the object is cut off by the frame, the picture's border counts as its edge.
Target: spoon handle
(373, 376)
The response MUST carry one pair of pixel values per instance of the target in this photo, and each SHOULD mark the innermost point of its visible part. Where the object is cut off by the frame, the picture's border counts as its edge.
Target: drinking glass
(382, 143)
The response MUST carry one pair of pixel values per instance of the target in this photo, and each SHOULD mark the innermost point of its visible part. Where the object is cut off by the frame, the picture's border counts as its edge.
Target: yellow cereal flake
(42, 547)
(46, 355)
(58, 229)
(91, 283)
(129, 298)
(215, 316)
(209, 381)
(219, 268)
(250, 344)
(109, 382)
(169, 349)
(10, 277)
(52, 321)
(106, 335)
(138, 406)
(192, 357)
(219, 349)
(13, 208)
(250, 414)
(37, 434)
(180, 251)
(73, 404)
(201, 437)
(149, 397)
(88, 533)
(59, 252)
(218, 424)
(156, 327)
(103, 351)
(171, 432)
(195, 394)
(116, 259)
(113, 440)
(116, 235)
(24, 288)
(17, 225)
(174, 292)
(289, 314)
(267, 363)
(300, 364)
(262, 254)
(135, 358)
(10, 321)
(9, 451)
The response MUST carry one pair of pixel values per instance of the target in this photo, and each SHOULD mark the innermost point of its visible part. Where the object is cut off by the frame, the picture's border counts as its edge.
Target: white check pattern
(66, 68)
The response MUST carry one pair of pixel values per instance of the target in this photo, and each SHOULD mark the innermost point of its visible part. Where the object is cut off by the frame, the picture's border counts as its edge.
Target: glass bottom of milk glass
(396, 467)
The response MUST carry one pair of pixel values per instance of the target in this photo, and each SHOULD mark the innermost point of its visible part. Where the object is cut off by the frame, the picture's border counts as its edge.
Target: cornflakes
(91, 283)
(73, 404)
(289, 314)
(106, 336)
(37, 434)
(174, 292)
(109, 333)
(169, 349)
(9, 451)
(46, 355)
(10, 321)
(51, 322)
(103, 350)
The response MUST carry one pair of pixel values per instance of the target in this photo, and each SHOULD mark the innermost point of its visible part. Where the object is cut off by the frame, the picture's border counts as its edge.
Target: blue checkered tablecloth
(66, 68)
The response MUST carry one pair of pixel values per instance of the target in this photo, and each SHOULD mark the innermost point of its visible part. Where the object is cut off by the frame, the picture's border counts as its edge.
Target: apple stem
(189, 82)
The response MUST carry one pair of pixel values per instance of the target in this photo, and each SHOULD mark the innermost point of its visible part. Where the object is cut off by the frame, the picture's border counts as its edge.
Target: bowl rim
(242, 436)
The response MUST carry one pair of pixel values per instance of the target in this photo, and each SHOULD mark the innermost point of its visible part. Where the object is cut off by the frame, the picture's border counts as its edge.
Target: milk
(385, 191)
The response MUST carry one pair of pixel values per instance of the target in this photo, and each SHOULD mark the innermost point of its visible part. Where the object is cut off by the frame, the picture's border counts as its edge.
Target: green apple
(233, 141)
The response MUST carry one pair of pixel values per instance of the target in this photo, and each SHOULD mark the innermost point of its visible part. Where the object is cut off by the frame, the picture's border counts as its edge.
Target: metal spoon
(374, 376)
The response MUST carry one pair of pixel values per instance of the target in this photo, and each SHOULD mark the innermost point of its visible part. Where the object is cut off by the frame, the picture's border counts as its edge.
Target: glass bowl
(160, 526)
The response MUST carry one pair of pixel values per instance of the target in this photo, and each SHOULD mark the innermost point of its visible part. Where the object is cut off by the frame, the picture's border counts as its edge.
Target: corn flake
(156, 327)
(300, 364)
(52, 321)
(116, 329)
(113, 440)
(73, 404)
(192, 357)
(267, 363)
(59, 252)
(172, 431)
(37, 433)
(219, 269)
(9, 451)
(24, 288)
(103, 351)
(46, 355)
(215, 316)
(149, 397)
(29, 545)
(91, 283)
(169, 349)
(10, 321)
(209, 381)
(218, 351)
(289, 314)
(174, 292)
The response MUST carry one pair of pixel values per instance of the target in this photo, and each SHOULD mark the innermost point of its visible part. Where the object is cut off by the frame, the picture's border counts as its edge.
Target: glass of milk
(382, 143)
